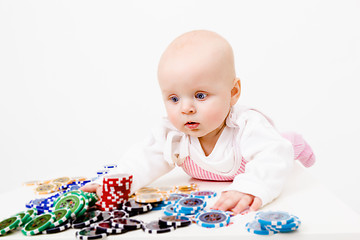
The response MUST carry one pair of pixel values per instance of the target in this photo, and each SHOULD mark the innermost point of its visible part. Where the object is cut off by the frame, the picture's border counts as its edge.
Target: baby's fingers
(243, 204)
(256, 204)
(90, 187)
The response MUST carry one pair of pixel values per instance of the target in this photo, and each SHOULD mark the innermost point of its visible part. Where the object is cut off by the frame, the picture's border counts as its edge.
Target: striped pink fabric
(193, 170)
(302, 153)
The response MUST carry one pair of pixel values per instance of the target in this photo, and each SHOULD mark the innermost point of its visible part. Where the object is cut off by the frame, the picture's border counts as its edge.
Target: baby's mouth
(192, 125)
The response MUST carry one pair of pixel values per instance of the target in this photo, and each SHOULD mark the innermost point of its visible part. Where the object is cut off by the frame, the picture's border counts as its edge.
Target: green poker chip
(25, 217)
(74, 202)
(32, 212)
(9, 224)
(38, 224)
(61, 216)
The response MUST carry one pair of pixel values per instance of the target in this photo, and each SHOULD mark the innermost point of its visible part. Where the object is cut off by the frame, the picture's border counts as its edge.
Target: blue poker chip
(110, 166)
(256, 228)
(204, 194)
(158, 205)
(274, 218)
(175, 197)
(102, 172)
(282, 230)
(212, 219)
(169, 211)
(190, 204)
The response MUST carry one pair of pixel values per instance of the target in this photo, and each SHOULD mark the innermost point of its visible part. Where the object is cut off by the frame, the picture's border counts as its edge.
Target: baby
(207, 135)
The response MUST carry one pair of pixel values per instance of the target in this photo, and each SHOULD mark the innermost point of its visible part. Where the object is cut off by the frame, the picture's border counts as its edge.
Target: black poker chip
(87, 219)
(105, 227)
(60, 228)
(90, 233)
(133, 207)
(119, 214)
(176, 221)
(155, 228)
(126, 223)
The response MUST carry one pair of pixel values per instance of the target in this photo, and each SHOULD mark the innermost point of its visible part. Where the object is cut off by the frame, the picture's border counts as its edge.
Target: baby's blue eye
(201, 96)
(174, 99)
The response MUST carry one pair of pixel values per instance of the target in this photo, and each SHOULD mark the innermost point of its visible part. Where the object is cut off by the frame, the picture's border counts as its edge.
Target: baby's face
(197, 93)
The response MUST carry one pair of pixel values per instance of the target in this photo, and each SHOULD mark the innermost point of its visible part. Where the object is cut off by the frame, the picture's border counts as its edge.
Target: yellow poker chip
(146, 190)
(30, 183)
(166, 190)
(78, 179)
(61, 180)
(39, 183)
(151, 197)
(187, 189)
(45, 189)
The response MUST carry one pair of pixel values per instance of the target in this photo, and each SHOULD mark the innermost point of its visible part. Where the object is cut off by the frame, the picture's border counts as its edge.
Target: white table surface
(322, 214)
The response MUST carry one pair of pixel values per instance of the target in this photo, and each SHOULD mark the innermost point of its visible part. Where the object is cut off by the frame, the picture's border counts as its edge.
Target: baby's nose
(187, 107)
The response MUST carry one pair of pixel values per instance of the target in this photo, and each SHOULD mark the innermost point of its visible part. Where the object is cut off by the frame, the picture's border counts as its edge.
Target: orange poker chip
(146, 190)
(151, 197)
(61, 180)
(45, 189)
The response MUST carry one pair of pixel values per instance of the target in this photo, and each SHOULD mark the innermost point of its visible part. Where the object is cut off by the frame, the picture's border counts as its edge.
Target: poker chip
(87, 219)
(204, 194)
(89, 233)
(169, 211)
(9, 224)
(147, 190)
(119, 214)
(105, 227)
(158, 205)
(212, 219)
(150, 197)
(132, 206)
(187, 189)
(274, 218)
(75, 202)
(110, 166)
(57, 229)
(126, 223)
(61, 180)
(271, 222)
(32, 212)
(176, 221)
(155, 228)
(174, 197)
(61, 216)
(166, 190)
(25, 217)
(189, 205)
(46, 189)
(102, 172)
(255, 228)
(38, 224)
(30, 183)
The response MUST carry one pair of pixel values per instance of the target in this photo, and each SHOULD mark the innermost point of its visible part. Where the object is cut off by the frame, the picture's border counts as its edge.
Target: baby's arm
(93, 187)
(237, 202)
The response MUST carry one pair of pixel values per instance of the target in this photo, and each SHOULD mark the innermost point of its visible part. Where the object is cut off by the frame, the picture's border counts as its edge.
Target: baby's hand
(237, 202)
(93, 187)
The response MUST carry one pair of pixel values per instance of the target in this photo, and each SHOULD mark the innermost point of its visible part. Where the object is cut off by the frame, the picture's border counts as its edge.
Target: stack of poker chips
(272, 222)
(115, 191)
(185, 206)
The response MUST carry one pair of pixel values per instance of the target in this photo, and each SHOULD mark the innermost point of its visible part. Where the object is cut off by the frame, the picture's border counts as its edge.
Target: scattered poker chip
(174, 197)
(176, 221)
(62, 180)
(147, 190)
(150, 197)
(132, 206)
(105, 227)
(61, 216)
(169, 211)
(154, 228)
(87, 219)
(188, 189)
(38, 224)
(295, 223)
(126, 223)
(90, 233)
(110, 166)
(189, 205)
(204, 194)
(255, 228)
(102, 172)
(9, 224)
(46, 188)
(212, 219)
(75, 202)
(32, 212)
(282, 230)
(166, 190)
(158, 205)
(274, 218)
(30, 183)
(119, 214)
(25, 217)
(57, 229)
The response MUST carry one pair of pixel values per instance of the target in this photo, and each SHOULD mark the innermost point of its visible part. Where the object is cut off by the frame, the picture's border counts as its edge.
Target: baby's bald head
(198, 51)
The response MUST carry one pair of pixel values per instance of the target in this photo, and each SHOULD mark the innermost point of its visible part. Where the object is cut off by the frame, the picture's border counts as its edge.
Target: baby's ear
(235, 91)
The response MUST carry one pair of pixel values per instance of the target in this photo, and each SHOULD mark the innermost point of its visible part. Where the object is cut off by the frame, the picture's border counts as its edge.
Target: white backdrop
(78, 78)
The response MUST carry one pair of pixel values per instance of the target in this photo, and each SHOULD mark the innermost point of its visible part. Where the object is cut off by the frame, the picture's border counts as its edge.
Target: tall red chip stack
(115, 191)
